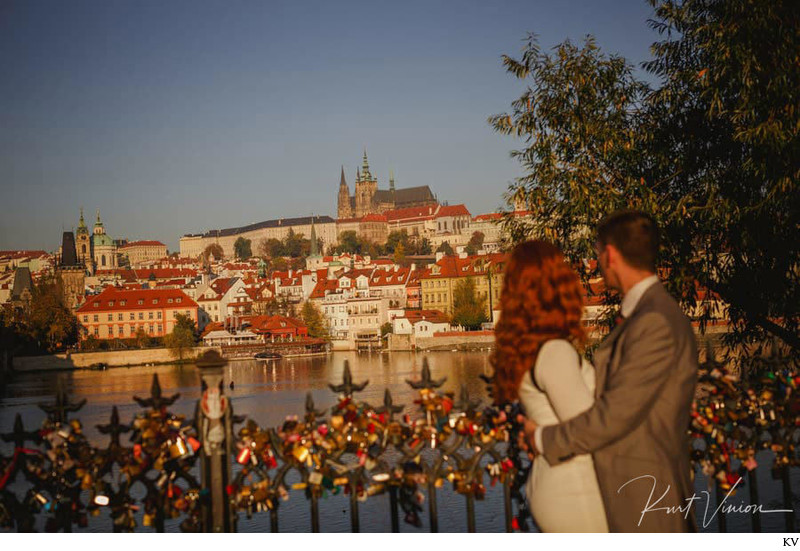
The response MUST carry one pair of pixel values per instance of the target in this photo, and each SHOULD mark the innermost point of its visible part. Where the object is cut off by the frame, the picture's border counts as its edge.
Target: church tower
(83, 244)
(344, 210)
(366, 186)
(103, 248)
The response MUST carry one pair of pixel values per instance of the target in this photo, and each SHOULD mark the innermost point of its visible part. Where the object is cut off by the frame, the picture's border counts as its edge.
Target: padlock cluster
(364, 451)
(733, 418)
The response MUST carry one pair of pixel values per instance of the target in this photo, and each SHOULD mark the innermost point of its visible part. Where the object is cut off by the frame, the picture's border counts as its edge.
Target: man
(646, 371)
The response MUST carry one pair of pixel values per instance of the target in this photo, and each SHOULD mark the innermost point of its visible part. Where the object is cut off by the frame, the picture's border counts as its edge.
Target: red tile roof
(410, 213)
(452, 210)
(433, 316)
(111, 299)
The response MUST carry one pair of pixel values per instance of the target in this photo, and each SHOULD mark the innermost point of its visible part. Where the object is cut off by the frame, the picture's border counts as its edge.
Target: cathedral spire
(342, 181)
(82, 223)
(358, 176)
(365, 167)
(391, 180)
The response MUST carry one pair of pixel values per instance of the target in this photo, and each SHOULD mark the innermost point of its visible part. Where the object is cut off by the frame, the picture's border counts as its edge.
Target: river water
(267, 392)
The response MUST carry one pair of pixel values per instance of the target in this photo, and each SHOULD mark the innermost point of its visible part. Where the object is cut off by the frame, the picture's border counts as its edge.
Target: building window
(96, 332)
(119, 316)
(103, 260)
(151, 329)
(96, 317)
(141, 315)
(133, 316)
(160, 328)
(177, 300)
(149, 315)
(140, 301)
(123, 302)
(159, 314)
(85, 318)
(155, 301)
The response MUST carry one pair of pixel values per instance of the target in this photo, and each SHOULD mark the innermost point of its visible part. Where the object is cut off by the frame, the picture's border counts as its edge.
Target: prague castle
(368, 199)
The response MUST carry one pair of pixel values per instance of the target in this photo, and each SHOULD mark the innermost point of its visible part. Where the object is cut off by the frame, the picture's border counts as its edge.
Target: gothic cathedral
(368, 199)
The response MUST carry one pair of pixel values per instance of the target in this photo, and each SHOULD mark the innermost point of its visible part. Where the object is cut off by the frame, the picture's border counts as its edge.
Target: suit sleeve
(631, 389)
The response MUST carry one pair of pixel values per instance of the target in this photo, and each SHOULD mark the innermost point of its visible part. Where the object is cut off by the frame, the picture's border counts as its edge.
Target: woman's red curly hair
(541, 300)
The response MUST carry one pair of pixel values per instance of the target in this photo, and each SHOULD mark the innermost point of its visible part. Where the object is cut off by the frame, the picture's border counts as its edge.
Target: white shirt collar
(631, 298)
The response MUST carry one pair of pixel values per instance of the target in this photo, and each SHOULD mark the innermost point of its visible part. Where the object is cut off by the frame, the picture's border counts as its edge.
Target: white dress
(565, 497)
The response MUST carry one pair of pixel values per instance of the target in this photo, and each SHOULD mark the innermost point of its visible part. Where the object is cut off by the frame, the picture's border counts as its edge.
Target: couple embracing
(609, 441)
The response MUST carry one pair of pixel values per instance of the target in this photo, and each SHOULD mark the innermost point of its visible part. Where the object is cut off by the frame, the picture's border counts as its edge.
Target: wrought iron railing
(357, 449)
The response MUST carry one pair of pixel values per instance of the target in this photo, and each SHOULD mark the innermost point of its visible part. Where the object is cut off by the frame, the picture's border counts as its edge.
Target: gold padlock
(300, 453)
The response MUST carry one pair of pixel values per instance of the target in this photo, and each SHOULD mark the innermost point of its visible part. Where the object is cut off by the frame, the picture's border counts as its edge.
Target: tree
(475, 243)
(349, 242)
(712, 152)
(312, 317)
(396, 238)
(270, 248)
(386, 329)
(50, 321)
(182, 338)
(469, 310)
(241, 248)
(400, 254)
(142, 338)
(728, 123)
(294, 244)
(445, 248)
(214, 250)
(422, 247)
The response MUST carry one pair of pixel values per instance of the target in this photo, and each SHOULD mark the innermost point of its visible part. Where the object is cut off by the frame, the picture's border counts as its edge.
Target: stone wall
(115, 358)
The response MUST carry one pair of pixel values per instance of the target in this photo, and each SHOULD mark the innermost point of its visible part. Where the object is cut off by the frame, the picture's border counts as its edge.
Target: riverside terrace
(206, 474)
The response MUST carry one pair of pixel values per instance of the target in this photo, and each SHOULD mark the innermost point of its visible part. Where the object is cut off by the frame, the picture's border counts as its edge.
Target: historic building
(71, 271)
(119, 314)
(138, 252)
(368, 199)
(95, 251)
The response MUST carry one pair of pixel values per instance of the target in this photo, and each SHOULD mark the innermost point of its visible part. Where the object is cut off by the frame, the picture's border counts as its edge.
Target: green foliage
(213, 251)
(386, 328)
(182, 338)
(475, 243)
(445, 248)
(294, 245)
(396, 238)
(400, 254)
(349, 242)
(241, 248)
(142, 339)
(49, 320)
(312, 317)
(469, 310)
(712, 152)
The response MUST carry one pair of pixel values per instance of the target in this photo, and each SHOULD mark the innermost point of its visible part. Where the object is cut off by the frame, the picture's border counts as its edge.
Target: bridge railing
(353, 448)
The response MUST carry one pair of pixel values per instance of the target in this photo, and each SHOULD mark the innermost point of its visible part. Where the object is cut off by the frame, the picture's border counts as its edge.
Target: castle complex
(368, 199)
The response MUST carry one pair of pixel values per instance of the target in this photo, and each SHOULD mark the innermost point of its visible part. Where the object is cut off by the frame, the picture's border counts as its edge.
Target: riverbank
(110, 358)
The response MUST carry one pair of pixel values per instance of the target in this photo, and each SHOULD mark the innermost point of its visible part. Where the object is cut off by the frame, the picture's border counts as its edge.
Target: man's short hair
(634, 233)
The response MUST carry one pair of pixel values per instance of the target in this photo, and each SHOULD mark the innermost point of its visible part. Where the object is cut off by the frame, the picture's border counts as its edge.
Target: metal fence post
(214, 414)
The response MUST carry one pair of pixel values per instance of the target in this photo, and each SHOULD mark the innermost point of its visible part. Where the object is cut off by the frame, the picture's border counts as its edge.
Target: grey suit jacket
(636, 431)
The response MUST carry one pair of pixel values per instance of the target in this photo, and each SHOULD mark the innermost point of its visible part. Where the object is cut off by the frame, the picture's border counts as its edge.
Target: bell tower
(83, 244)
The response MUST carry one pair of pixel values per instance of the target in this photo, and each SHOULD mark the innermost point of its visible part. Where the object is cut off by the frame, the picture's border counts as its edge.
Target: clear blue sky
(175, 117)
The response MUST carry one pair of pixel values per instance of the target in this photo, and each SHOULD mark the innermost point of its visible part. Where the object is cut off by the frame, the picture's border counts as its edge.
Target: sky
(177, 117)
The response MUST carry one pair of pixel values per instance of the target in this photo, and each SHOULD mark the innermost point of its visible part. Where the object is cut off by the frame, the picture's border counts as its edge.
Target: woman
(536, 360)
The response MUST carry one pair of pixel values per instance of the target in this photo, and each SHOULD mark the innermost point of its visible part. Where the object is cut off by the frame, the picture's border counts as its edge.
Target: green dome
(102, 240)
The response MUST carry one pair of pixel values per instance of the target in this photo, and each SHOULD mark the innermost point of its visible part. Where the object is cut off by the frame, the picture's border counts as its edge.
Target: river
(267, 392)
